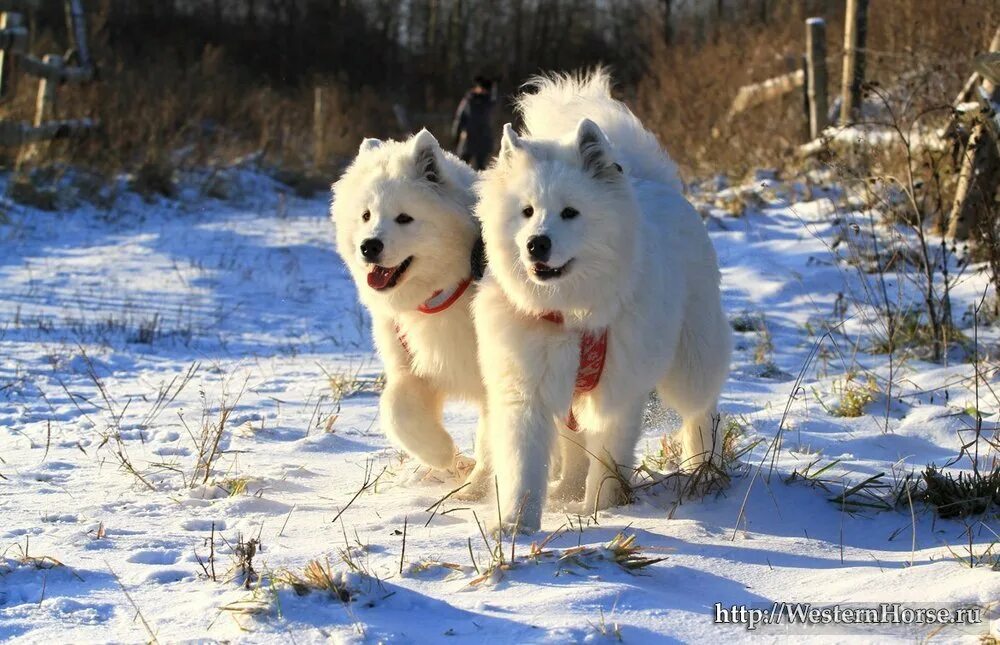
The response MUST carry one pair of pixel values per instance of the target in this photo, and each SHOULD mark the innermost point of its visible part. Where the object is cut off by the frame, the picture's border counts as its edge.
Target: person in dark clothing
(473, 125)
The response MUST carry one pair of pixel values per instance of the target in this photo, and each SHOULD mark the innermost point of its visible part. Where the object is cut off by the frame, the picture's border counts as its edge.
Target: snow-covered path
(162, 323)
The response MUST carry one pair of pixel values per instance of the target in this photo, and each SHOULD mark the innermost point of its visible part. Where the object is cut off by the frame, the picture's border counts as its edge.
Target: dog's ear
(508, 143)
(369, 144)
(425, 150)
(595, 151)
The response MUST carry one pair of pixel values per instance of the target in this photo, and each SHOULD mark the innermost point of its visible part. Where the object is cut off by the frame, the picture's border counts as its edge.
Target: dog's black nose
(372, 248)
(539, 247)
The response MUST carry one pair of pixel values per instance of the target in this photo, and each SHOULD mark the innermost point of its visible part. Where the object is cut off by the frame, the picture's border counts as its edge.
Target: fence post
(977, 182)
(45, 104)
(319, 147)
(8, 20)
(816, 75)
(77, 27)
(855, 35)
(45, 110)
(979, 173)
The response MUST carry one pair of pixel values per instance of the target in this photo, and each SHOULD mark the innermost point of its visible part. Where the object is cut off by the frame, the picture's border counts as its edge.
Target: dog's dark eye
(528, 211)
(569, 213)
(403, 218)
(367, 215)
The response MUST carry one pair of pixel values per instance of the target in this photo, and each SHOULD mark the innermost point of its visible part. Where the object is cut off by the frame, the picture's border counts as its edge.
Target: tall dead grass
(208, 114)
(203, 106)
(689, 86)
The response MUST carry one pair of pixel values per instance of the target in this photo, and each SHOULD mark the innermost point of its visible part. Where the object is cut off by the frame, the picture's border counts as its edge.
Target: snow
(103, 314)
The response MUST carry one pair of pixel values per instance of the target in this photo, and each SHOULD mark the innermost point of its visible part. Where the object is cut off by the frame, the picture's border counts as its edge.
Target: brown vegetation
(202, 83)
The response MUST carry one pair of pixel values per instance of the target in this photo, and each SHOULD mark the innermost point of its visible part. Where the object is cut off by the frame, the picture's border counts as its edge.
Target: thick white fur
(642, 266)
(418, 178)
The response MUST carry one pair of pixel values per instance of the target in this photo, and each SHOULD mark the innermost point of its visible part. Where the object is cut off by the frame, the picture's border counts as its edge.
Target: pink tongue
(380, 276)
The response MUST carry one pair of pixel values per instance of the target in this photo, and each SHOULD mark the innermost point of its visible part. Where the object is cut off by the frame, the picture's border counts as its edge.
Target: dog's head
(403, 220)
(559, 221)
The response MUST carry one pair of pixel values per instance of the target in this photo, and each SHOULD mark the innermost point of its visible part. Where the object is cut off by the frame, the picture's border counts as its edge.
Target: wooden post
(977, 183)
(8, 20)
(855, 34)
(968, 92)
(76, 24)
(816, 75)
(319, 147)
(45, 110)
(979, 173)
(45, 104)
(750, 96)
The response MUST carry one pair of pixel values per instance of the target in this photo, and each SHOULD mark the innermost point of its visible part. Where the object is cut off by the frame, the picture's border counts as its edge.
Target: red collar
(435, 304)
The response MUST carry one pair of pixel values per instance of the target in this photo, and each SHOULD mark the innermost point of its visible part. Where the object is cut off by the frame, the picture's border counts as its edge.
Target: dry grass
(25, 559)
(208, 439)
(912, 333)
(964, 495)
(196, 102)
(747, 321)
(854, 396)
(689, 87)
(243, 570)
(950, 496)
(347, 383)
(33, 189)
(708, 477)
(318, 577)
(622, 550)
(164, 118)
(609, 631)
(763, 354)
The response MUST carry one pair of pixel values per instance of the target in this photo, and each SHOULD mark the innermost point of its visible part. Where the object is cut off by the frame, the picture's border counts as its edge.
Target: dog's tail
(561, 101)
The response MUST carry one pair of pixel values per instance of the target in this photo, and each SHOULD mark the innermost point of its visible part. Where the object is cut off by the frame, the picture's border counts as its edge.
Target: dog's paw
(462, 467)
(576, 507)
(607, 496)
(470, 494)
(509, 528)
(476, 487)
(566, 491)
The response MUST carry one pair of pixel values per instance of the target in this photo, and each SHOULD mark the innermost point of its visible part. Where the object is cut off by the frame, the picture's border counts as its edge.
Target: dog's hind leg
(411, 415)
(692, 384)
(573, 459)
(612, 448)
(701, 440)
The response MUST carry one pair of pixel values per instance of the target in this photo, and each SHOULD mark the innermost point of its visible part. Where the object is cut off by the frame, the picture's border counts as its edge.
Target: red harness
(432, 306)
(593, 351)
(593, 346)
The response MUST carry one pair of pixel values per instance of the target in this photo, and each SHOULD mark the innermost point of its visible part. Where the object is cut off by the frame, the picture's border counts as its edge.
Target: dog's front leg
(411, 415)
(522, 433)
(528, 370)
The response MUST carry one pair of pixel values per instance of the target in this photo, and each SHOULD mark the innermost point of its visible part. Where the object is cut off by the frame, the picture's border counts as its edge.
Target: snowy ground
(103, 314)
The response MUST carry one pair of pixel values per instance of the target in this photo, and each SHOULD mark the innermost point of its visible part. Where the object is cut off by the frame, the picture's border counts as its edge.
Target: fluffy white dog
(603, 285)
(402, 212)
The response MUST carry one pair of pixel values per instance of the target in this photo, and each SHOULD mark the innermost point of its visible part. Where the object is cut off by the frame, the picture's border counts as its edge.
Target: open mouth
(381, 278)
(545, 272)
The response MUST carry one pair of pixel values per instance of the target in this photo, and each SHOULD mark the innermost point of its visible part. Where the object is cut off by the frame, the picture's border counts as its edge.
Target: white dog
(603, 286)
(402, 212)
